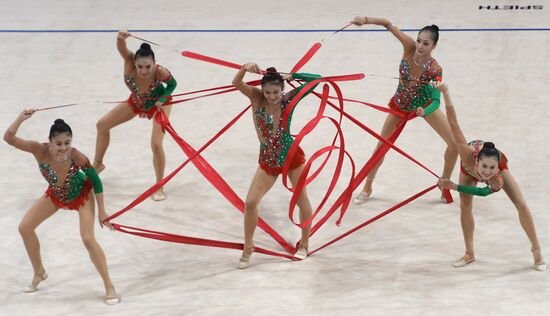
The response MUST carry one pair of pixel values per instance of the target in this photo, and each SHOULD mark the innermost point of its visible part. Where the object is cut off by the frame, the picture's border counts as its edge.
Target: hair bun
(145, 46)
(271, 70)
(435, 27)
(59, 122)
(488, 145)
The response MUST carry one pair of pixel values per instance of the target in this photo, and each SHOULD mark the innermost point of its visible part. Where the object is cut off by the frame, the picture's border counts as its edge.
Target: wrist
(366, 20)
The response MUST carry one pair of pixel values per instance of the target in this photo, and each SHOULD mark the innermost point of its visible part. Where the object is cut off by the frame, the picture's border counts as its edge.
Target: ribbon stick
(147, 41)
(345, 27)
(72, 104)
(56, 107)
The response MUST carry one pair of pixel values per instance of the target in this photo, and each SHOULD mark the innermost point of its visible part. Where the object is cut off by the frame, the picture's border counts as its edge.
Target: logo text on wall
(511, 7)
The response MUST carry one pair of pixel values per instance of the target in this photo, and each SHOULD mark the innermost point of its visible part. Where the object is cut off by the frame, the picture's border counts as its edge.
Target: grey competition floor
(399, 265)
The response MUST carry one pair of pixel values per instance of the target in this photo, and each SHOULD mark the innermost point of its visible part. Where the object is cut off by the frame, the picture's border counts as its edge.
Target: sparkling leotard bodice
(412, 92)
(275, 139)
(145, 100)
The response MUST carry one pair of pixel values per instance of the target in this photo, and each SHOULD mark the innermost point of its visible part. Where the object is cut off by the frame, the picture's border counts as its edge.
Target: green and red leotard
(413, 93)
(143, 102)
(276, 139)
(73, 192)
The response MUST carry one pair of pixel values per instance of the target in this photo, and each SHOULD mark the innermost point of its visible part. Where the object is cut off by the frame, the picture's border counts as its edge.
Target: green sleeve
(435, 96)
(307, 77)
(475, 190)
(170, 87)
(94, 177)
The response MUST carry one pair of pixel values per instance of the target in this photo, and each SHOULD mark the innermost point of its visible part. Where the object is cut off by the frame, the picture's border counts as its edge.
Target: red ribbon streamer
(208, 171)
(212, 60)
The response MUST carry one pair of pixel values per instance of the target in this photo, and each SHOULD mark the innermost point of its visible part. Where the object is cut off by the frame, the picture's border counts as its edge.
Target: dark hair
(273, 77)
(144, 51)
(59, 127)
(434, 32)
(489, 150)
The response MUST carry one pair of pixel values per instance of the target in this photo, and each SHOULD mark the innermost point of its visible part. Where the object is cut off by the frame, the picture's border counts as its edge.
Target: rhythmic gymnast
(268, 104)
(151, 86)
(414, 93)
(70, 178)
(482, 162)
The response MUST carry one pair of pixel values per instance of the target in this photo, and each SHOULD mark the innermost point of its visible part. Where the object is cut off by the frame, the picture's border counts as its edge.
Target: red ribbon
(210, 59)
(217, 181)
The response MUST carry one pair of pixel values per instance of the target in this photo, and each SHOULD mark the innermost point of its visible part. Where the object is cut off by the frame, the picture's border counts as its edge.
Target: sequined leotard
(275, 138)
(413, 93)
(74, 190)
(142, 102)
(494, 184)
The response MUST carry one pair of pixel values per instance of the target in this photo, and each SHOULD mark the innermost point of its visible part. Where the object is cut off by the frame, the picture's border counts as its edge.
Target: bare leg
(466, 221)
(513, 190)
(303, 204)
(390, 125)
(439, 123)
(261, 183)
(87, 218)
(41, 210)
(159, 159)
(118, 115)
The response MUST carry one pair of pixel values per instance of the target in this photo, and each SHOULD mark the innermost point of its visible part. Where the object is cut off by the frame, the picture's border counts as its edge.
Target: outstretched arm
(460, 140)
(472, 190)
(406, 41)
(10, 136)
(250, 91)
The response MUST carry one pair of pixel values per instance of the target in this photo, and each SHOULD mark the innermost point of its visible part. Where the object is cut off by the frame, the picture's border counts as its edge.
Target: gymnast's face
(424, 44)
(145, 66)
(487, 167)
(60, 145)
(272, 93)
